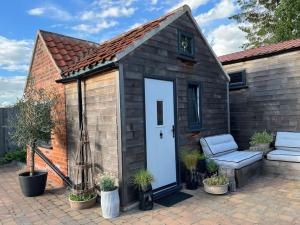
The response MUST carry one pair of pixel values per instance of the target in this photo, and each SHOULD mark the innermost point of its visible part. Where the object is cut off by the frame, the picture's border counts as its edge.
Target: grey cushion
(289, 141)
(238, 159)
(218, 145)
(284, 155)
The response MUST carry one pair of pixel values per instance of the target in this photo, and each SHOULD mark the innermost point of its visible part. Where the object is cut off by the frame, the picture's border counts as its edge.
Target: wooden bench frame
(287, 170)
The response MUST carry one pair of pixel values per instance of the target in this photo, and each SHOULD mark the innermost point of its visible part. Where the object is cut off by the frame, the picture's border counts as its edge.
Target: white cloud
(223, 9)
(193, 4)
(109, 12)
(92, 29)
(11, 88)
(52, 12)
(153, 2)
(15, 54)
(36, 11)
(226, 39)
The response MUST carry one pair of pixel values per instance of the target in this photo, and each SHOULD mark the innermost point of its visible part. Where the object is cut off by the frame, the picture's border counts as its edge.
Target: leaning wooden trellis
(83, 165)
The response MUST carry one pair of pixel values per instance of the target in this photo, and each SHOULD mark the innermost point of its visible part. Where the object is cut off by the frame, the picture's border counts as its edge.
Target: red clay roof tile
(61, 48)
(261, 51)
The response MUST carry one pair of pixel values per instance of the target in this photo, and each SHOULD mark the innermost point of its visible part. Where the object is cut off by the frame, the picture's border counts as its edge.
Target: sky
(97, 20)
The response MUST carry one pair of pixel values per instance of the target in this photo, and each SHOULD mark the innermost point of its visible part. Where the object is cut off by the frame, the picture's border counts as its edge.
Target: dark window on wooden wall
(194, 95)
(237, 80)
(186, 44)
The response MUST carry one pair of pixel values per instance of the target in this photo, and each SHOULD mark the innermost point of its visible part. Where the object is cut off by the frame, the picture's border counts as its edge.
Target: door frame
(164, 190)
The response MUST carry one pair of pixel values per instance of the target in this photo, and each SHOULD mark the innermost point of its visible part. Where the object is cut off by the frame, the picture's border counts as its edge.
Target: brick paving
(266, 200)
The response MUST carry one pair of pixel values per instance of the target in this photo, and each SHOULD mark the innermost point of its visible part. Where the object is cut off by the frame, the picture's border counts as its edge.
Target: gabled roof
(66, 50)
(260, 52)
(108, 50)
(74, 56)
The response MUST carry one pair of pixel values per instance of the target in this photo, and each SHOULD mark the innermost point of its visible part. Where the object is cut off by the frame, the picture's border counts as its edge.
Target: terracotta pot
(82, 204)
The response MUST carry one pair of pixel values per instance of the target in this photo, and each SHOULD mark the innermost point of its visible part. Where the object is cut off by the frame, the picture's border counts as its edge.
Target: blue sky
(96, 20)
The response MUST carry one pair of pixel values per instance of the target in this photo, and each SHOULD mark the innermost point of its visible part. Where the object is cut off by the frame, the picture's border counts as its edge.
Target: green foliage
(82, 197)
(268, 21)
(142, 178)
(107, 183)
(211, 166)
(217, 180)
(34, 118)
(261, 138)
(18, 155)
(190, 158)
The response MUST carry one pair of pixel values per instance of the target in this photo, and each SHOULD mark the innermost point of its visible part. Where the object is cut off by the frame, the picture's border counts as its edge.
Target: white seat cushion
(238, 159)
(217, 145)
(289, 141)
(284, 155)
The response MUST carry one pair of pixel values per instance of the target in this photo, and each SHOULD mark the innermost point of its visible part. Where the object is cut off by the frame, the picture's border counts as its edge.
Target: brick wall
(44, 72)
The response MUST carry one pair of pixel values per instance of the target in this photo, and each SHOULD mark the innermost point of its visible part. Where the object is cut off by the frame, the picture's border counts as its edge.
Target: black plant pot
(201, 166)
(146, 198)
(191, 182)
(33, 185)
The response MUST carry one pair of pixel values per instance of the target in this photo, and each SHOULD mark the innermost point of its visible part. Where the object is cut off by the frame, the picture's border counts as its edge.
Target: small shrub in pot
(82, 200)
(212, 168)
(110, 200)
(261, 141)
(216, 184)
(190, 160)
(142, 180)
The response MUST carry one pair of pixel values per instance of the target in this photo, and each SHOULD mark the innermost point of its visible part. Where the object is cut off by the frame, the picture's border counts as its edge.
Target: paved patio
(267, 200)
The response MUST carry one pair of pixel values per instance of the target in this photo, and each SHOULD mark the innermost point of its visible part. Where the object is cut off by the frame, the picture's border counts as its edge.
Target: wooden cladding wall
(272, 99)
(100, 101)
(159, 57)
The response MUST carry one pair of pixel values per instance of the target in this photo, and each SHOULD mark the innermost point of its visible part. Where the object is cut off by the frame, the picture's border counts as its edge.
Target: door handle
(161, 134)
(173, 130)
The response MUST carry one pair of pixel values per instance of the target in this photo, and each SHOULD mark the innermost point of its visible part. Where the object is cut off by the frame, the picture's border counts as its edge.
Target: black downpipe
(79, 102)
(66, 179)
(79, 90)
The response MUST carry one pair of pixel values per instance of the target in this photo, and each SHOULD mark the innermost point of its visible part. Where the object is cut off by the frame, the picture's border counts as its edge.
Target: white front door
(160, 131)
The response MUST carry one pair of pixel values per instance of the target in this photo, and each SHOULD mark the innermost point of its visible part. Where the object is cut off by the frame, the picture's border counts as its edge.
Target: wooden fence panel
(5, 142)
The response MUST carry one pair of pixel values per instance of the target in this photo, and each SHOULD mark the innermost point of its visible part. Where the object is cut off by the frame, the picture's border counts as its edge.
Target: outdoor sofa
(224, 151)
(285, 159)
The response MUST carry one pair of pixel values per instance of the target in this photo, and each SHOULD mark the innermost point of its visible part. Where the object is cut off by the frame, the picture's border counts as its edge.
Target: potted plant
(260, 141)
(142, 179)
(211, 167)
(34, 122)
(190, 160)
(216, 185)
(202, 164)
(82, 200)
(110, 201)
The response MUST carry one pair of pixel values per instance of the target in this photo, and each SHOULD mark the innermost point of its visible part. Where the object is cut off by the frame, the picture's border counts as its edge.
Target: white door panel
(159, 108)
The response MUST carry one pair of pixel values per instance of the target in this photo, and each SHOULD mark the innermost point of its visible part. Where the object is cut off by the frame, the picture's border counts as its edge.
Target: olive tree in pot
(190, 160)
(34, 122)
(142, 180)
(110, 201)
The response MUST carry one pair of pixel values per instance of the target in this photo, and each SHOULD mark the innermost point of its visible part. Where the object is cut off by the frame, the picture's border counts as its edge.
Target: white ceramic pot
(110, 204)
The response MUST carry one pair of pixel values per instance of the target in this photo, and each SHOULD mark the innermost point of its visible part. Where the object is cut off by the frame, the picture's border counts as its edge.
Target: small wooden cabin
(264, 89)
(145, 94)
